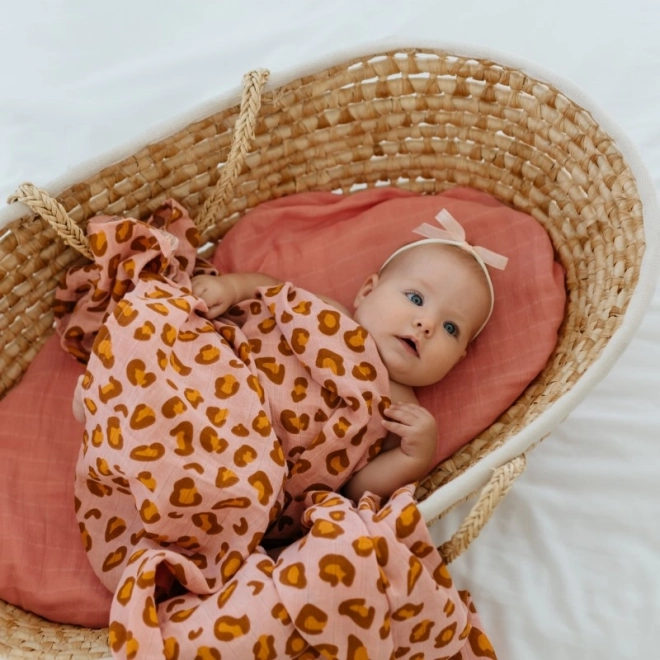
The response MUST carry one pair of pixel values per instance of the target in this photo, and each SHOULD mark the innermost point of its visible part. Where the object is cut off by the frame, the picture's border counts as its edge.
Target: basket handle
(253, 84)
(41, 203)
(492, 494)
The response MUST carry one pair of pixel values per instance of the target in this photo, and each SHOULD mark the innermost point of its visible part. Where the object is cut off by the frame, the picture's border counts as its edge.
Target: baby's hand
(217, 291)
(416, 427)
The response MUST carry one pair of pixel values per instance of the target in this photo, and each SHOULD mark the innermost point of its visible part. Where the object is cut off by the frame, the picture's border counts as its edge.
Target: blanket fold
(213, 453)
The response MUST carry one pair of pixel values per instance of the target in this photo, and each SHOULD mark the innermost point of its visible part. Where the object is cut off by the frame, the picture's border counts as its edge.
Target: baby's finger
(402, 416)
(407, 409)
(404, 405)
(394, 427)
(216, 310)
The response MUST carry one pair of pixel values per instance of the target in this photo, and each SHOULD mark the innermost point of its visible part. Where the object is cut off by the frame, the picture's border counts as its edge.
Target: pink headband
(454, 234)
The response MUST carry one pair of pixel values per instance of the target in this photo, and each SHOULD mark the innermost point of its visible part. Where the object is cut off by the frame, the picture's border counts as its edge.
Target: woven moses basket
(421, 119)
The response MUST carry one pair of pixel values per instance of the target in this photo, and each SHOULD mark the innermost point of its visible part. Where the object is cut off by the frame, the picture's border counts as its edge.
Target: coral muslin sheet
(206, 486)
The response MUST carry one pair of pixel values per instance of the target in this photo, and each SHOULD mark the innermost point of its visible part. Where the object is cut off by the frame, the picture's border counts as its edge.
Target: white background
(569, 567)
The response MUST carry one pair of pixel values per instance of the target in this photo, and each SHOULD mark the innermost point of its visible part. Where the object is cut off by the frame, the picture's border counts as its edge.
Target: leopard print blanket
(206, 486)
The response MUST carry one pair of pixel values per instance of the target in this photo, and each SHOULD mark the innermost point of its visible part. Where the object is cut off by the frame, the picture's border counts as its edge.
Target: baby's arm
(401, 464)
(220, 292)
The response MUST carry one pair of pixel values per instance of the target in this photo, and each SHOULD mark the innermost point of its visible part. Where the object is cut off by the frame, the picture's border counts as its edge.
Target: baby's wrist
(237, 288)
(419, 454)
(244, 285)
(422, 449)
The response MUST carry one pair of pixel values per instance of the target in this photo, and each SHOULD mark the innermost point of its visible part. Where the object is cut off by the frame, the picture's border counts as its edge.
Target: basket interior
(424, 120)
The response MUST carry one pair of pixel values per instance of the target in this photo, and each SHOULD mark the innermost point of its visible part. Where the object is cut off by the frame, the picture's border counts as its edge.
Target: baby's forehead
(427, 260)
(419, 256)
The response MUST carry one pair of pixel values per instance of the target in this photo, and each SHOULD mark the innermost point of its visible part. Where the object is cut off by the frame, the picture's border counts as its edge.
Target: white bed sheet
(569, 566)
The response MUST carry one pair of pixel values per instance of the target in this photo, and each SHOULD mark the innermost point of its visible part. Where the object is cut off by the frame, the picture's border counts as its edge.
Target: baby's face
(422, 311)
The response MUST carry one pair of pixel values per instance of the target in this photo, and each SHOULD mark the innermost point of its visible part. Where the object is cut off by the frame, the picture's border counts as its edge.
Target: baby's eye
(451, 328)
(415, 298)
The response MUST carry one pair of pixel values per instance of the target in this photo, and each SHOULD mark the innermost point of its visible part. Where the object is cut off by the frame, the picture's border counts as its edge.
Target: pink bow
(454, 232)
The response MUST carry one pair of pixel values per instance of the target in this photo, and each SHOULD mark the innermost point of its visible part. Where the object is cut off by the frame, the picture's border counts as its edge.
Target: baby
(424, 306)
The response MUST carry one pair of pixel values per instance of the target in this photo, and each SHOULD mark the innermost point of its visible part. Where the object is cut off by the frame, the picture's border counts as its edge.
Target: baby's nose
(425, 325)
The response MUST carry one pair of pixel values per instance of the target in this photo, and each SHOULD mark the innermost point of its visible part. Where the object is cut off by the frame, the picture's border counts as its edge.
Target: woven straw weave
(419, 119)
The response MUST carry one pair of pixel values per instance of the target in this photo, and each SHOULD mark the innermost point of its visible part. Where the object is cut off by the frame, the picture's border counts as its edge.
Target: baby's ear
(366, 289)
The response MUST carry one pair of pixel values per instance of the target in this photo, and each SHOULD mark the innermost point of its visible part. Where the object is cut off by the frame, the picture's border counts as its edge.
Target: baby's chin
(407, 380)
(423, 380)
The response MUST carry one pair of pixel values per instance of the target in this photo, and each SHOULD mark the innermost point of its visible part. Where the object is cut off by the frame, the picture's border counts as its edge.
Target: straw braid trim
(253, 83)
(51, 210)
(493, 493)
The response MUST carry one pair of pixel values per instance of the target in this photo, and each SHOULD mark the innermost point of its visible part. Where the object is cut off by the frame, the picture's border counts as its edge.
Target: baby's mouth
(410, 343)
